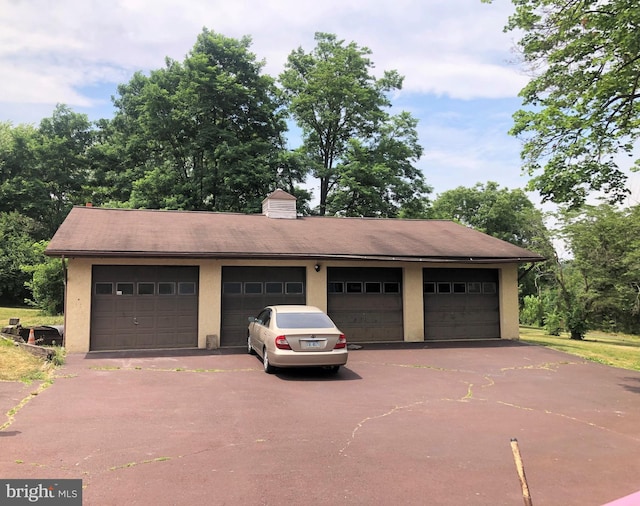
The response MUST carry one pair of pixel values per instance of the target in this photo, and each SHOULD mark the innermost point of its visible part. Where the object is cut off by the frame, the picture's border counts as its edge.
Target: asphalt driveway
(412, 425)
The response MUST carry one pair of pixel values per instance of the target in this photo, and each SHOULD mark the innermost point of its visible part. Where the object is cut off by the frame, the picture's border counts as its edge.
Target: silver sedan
(296, 336)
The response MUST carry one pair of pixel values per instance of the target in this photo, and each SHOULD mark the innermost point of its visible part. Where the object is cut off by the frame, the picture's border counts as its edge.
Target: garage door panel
(124, 306)
(144, 337)
(145, 308)
(126, 325)
(144, 304)
(184, 304)
(361, 315)
(246, 290)
(172, 340)
(145, 322)
(233, 304)
(105, 305)
(168, 321)
(106, 325)
(183, 321)
(461, 304)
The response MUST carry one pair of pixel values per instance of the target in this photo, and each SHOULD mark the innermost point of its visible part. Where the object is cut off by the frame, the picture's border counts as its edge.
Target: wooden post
(523, 479)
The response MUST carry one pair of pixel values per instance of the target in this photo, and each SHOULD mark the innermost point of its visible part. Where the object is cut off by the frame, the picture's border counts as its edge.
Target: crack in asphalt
(361, 423)
(570, 418)
(547, 366)
(470, 396)
(11, 414)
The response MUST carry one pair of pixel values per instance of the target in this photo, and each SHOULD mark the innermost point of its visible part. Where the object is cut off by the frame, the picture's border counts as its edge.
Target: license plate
(312, 344)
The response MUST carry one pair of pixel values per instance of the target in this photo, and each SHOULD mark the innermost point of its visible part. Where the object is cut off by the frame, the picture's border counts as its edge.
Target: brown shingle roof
(91, 231)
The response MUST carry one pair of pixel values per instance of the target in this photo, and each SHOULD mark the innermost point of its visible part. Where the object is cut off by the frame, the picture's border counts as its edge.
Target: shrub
(47, 283)
(532, 311)
(553, 324)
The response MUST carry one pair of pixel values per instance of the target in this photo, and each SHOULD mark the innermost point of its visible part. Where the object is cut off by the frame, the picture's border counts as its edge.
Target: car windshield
(304, 320)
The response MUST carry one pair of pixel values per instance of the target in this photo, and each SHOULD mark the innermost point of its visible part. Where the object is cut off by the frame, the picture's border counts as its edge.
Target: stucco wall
(509, 306)
(412, 303)
(78, 293)
(77, 313)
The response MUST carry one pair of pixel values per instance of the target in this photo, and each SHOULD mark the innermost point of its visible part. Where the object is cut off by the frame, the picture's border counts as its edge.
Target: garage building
(144, 279)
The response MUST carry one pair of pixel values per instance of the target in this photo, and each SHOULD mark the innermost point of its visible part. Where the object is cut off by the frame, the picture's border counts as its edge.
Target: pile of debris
(34, 338)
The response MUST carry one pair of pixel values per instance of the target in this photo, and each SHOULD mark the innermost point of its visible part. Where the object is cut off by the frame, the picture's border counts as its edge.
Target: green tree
(378, 177)
(115, 162)
(16, 250)
(584, 98)
(348, 136)
(604, 242)
(63, 165)
(21, 185)
(46, 281)
(205, 134)
(506, 214)
(45, 171)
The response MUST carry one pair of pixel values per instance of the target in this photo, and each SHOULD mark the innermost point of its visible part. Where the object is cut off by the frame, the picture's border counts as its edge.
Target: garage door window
(372, 287)
(354, 287)
(252, 288)
(166, 288)
(146, 288)
(294, 288)
(104, 288)
(392, 287)
(335, 287)
(474, 287)
(444, 287)
(232, 288)
(124, 289)
(459, 287)
(271, 287)
(187, 288)
(489, 288)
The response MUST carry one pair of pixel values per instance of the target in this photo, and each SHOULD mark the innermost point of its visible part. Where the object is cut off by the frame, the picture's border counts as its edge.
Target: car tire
(268, 368)
(334, 369)
(250, 349)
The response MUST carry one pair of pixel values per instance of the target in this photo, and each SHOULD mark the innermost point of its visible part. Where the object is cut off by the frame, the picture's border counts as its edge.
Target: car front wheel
(268, 368)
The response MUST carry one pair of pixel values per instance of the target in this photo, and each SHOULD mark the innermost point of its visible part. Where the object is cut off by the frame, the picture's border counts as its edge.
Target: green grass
(617, 350)
(19, 365)
(29, 317)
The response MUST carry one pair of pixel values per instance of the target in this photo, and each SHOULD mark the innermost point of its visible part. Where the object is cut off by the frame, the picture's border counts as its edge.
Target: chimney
(280, 204)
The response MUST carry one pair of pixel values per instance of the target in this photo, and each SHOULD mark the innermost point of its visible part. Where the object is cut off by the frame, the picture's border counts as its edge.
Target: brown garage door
(144, 307)
(461, 304)
(366, 303)
(246, 290)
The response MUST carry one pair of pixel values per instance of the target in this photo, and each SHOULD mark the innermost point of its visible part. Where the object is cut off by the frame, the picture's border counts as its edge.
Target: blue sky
(461, 72)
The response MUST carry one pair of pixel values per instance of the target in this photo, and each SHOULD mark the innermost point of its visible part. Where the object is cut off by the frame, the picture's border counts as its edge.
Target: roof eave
(290, 256)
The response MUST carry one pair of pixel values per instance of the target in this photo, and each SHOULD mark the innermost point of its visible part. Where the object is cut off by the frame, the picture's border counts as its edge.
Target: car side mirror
(251, 319)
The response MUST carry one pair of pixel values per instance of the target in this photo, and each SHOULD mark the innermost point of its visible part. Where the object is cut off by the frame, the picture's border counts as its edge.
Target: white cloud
(465, 79)
(440, 47)
(69, 51)
(41, 85)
